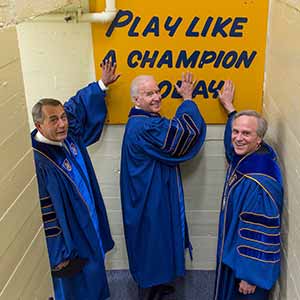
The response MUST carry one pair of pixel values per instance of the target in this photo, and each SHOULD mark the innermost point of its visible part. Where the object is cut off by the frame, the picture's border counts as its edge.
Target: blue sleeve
(255, 255)
(59, 243)
(229, 151)
(86, 113)
(176, 140)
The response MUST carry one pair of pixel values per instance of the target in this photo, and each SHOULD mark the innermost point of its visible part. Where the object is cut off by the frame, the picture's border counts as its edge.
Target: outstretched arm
(180, 138)
(226, 96)
(87, 109)
(226, 99)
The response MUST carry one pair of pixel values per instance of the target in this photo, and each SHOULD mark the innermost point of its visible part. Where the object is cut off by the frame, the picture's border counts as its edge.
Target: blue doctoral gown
(151, 191)
(249, 225)
(73, 210)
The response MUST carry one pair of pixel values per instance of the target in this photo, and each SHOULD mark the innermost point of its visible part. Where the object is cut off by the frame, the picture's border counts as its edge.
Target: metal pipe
(105, 16)
(110, 5)
(102, 17)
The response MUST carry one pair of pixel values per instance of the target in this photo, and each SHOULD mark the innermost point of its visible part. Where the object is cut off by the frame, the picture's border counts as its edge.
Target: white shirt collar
(40, 138)
(102, 86)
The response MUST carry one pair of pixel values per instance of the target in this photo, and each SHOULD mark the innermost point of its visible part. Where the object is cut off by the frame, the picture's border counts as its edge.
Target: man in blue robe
(73, 211)
(154, 219)
(248, 253)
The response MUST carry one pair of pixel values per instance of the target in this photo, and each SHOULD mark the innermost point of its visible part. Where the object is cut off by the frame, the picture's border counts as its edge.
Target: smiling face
(148, 98)
(54, 125)
(244, 135)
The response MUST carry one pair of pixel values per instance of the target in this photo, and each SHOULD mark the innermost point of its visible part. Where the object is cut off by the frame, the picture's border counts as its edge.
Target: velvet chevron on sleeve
(250, 222)
(74, 216)
(170, 141)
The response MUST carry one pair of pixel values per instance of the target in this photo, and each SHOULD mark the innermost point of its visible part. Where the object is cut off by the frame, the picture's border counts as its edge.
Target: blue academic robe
(74, 215)
(155, 227)
(249, 225)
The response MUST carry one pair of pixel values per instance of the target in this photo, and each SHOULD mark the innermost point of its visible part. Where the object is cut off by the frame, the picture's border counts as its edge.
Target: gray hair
(135, 84)
(262, 124)
(37, 113)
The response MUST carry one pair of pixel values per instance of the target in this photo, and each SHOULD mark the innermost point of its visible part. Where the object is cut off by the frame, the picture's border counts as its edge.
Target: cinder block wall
(24, 271)
(282, 109)
(24, 267)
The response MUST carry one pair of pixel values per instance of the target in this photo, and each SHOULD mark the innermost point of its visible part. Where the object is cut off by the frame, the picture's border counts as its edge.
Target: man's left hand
(226, 96)
(246, 288)
(187, 86)
(109, 72)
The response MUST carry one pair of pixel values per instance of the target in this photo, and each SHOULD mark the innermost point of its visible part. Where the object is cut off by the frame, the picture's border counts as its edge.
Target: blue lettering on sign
(206, 26)
(219, 59)
(237, 26)
(228, 60)
(207, 58)
(196, 59)
(185, 61)
(111, 55)
(172, 28)
(190, 31)
(213, 89)
(218, 27)
(150, 59)
(243, 58)
(175, 94)
(134, 54)
(165, 88)
(201, 89)
(152, 27)
(196, 28)
(132, 28)
(117, 23)
(166, 59)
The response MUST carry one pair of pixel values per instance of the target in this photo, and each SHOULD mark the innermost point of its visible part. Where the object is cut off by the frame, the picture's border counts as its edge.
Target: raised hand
(187, 86)
(226, 96)
(109, 75)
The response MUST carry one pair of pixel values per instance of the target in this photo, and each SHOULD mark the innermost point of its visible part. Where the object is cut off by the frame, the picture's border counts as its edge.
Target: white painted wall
(282, 109)
(57, 60)
(24, 268)
(24, 265)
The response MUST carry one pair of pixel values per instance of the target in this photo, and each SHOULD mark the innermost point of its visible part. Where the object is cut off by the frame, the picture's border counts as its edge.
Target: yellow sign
(215, 40)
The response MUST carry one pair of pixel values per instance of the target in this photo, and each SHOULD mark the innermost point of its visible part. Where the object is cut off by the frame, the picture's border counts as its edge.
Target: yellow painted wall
(222, 39)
